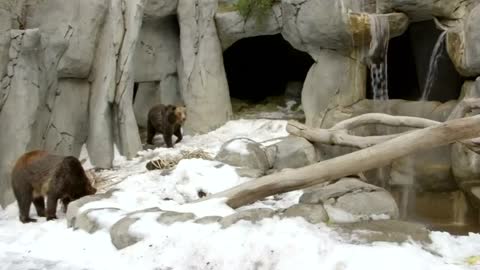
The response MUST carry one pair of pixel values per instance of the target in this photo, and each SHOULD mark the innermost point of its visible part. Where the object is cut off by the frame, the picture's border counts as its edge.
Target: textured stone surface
(208, 220)
(160, 8)
(78, 24)
(119, 233)
(86, 222)
(463, 44)
(148, 95)
(232, 26)
(252, 215)
(294, 152)
(386, 231)
(201, 72)
(420, 10)
(313, 213)
(324, 89)
(68, 128)
(24, 94)
(128, 137)
(157, 49)
(169, 218)
(73, 209)
(350, 199)
(103, 82)
(245, 153)
(313, 25)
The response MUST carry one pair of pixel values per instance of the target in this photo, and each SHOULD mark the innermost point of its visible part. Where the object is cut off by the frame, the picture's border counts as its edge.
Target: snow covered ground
(289, 243)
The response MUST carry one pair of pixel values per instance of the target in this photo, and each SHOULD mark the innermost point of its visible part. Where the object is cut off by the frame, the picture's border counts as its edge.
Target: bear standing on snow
(167, 120)
(38, 174)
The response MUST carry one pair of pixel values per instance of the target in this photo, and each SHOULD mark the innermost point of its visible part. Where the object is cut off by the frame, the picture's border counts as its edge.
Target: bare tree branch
(372, 157)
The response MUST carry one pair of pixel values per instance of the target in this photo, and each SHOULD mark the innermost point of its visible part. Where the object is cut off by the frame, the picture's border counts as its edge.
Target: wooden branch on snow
(376, 156)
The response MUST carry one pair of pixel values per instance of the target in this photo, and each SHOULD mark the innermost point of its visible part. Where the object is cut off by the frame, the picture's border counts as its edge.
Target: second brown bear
(167, 120)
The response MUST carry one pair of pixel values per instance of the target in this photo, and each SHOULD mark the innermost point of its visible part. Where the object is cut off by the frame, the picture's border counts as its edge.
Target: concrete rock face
(201, 72)
(351, 200)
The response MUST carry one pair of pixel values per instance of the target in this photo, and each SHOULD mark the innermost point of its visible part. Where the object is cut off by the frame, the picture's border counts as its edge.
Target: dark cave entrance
(263, 66)
(408, 62)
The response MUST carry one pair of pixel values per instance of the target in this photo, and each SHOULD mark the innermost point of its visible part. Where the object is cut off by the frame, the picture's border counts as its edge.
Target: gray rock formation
(73, 209)
(313, 213)
(202, 76)
(231, 26)
(293, 152)
(157, 49)
(128, 138)
(252, 215)
(22, 98)
(160, 8)
(322, 90)
(395, 231)
(245, 153)
(350, 200)
(169, 218)
(68, 129)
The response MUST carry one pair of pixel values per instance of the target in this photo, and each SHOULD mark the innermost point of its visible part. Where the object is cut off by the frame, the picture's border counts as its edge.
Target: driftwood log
(376, 151)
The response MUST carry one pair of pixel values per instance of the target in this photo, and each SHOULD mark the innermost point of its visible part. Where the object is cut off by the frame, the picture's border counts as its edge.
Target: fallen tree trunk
(372, 157)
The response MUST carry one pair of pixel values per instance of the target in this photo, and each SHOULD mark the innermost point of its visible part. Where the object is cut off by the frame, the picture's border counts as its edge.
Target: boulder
(313, 213)
(232, 26)
(73, 209)
(294, 152)
(243, 152)
(252, 215)
(89, 220)
(120, 231)
(157, 49)
(201, 74)
(419, 10)
(351, 200)
(208, 220)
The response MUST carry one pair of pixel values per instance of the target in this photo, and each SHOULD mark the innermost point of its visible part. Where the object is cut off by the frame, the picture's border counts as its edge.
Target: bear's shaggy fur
(167, 120)
(38, 174)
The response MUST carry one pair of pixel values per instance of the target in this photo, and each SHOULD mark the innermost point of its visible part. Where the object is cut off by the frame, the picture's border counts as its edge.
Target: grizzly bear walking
(38, 174)
(167, 120)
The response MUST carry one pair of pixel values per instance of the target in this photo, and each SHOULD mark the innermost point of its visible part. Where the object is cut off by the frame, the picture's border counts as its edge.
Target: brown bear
(38, 174)
(167, 120)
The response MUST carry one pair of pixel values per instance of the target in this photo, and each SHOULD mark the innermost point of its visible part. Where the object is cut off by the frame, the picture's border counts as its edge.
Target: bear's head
(180, 114)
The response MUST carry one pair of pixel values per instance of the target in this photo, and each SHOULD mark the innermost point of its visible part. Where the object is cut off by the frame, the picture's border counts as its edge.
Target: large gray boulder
(293, 152)
(244, 153)
(157, 49)
(313, 213)
(76, 22)
(351, 200)
(202, 76)
(232, 26)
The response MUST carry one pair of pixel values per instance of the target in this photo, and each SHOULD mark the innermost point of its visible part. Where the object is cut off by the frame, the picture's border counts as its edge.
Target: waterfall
(433, 65)
(377, 56)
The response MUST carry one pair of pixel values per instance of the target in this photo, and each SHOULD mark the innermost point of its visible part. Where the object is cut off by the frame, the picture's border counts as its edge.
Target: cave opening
(408, 62)
(265, 66)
